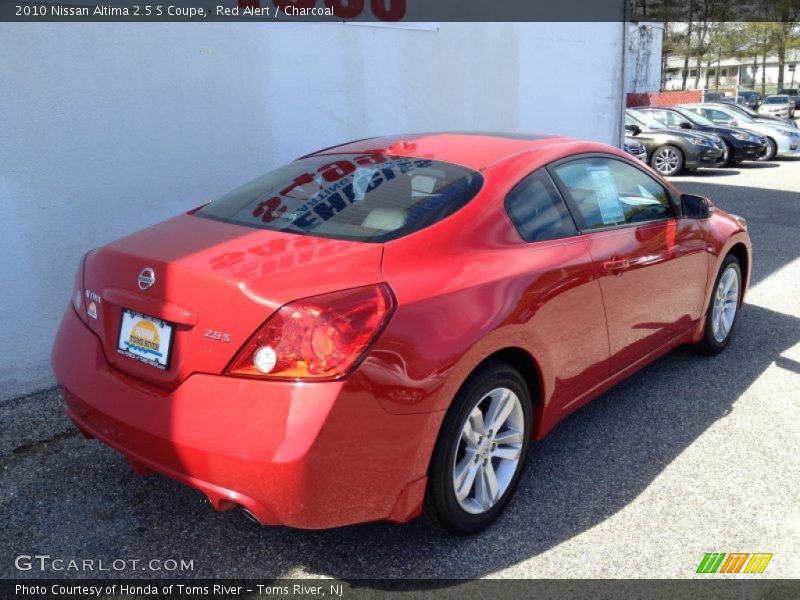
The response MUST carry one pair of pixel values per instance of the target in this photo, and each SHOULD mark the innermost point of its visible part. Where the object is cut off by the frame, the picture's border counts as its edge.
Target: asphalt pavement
(691, 455)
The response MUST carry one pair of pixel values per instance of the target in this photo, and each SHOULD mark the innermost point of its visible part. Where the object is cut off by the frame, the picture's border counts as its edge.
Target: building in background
(733, 73)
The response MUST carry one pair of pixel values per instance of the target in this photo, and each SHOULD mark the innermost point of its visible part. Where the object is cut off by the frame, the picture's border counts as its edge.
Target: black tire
(772, 150)
(710, 345)
(673, 167)
(442, 509)
(730, 160)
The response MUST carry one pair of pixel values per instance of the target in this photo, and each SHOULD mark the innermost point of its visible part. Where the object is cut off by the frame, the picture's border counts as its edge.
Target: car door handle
(618, 264)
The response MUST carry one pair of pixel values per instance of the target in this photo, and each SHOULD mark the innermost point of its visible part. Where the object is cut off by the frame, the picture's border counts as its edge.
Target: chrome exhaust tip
(250, 516)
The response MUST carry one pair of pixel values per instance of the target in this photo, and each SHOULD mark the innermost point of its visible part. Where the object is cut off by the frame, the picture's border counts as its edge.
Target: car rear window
(367, 197)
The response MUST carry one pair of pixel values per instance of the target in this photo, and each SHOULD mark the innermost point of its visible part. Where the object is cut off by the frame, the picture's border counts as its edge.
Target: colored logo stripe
(758, 563)
(713, 562)
(734, 562)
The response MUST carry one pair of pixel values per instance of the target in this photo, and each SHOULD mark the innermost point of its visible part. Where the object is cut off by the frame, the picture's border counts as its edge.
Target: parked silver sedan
(777, 106)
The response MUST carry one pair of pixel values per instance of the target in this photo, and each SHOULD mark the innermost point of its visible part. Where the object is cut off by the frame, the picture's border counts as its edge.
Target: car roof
(476, 150)
(707, 104)
(674, 107)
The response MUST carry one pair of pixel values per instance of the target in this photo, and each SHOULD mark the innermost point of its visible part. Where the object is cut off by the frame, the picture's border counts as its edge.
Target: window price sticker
(607, 196)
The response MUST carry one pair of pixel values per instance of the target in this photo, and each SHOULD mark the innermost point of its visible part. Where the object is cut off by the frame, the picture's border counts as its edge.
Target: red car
(379, 329)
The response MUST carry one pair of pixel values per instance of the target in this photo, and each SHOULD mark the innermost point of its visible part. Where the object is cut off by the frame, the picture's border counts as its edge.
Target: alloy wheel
(488, 450)
(666, 161)
(770, 151)
(726, 302)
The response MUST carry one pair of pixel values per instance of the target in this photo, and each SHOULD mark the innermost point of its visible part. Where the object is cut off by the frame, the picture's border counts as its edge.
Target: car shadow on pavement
(760, 165)
(710, 172)
(590, 467)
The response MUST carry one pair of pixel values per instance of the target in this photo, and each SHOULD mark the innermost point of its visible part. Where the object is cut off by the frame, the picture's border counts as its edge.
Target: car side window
(672, 119)
(717, 116)
(610, 192)
(667, 118)
(537, 209)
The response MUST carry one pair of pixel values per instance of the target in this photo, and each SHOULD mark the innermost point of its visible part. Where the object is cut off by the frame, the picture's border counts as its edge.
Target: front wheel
(771, 151)
(480, 454)
(667, 160)
(727, 155)
(723, 308)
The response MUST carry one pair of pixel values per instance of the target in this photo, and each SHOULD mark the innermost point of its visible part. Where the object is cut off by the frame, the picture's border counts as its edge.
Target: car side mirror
(696, 207)
(733, 123)
(686, 125)
(633, 129)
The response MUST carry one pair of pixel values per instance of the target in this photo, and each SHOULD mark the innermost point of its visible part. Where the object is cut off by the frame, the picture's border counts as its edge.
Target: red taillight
(317, 338)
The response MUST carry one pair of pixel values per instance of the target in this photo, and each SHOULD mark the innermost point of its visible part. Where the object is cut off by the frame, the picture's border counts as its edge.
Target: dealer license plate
(145, 338)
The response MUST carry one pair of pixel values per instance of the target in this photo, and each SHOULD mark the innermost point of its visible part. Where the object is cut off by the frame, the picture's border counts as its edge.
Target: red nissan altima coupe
(379, 329)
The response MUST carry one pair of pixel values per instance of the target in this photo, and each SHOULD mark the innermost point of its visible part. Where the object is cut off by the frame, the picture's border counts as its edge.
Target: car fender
(720, 245)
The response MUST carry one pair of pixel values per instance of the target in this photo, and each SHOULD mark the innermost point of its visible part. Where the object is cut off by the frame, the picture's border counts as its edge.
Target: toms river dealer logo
(144, 337)
(734, 562)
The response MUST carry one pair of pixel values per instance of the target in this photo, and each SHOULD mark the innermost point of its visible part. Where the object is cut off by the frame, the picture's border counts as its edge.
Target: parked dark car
(713, 97)
(782, 139)
(748, 98)
(793, 93)
(670, 150)
(633, 146)
(740, 144)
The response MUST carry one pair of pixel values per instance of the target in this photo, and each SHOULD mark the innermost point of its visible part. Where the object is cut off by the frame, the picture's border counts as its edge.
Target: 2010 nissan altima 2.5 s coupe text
(379, 329)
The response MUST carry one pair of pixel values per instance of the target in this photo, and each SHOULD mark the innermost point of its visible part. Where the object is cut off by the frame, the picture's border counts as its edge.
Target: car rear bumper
(303, 455)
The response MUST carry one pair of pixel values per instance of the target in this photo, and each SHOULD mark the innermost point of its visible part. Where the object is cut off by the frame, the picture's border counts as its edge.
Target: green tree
(761, 41)
(784, 15)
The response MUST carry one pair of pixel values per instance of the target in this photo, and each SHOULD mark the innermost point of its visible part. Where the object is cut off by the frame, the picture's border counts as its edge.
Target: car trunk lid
(216, 283)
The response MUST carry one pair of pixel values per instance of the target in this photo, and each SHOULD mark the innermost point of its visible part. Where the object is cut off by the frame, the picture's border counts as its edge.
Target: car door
(652, 265)
(568, 324)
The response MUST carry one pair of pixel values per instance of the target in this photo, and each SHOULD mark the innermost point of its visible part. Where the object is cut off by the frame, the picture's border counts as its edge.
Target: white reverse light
(264, 359)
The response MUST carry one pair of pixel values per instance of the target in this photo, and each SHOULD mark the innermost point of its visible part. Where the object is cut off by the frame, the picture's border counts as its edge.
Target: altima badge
(146, 279)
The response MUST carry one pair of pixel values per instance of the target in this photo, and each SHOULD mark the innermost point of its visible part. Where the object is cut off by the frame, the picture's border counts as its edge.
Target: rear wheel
(723, 308)
(771, 151)
(667, 160)
(480, 454)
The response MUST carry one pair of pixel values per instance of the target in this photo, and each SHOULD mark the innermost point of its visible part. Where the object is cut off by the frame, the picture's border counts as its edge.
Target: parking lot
(691, 455)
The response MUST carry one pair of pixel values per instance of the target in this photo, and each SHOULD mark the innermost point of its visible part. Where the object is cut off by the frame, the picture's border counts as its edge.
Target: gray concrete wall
(107, 128)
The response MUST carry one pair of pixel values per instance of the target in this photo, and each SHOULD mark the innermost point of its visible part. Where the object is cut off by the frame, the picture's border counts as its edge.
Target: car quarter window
(609, 192)
(537, 210)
